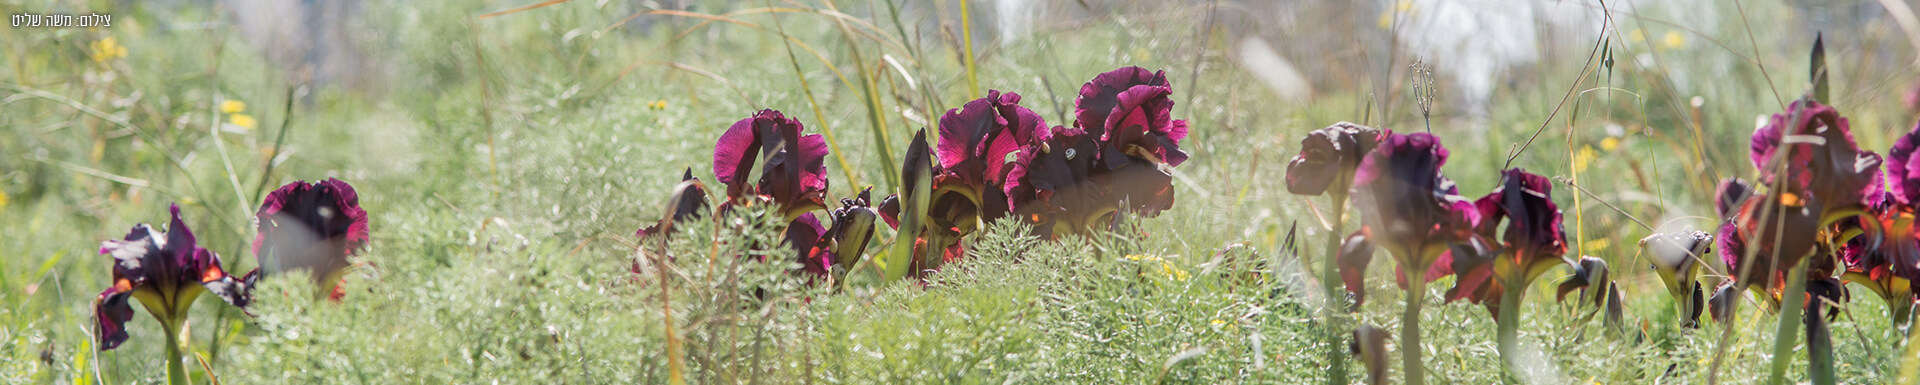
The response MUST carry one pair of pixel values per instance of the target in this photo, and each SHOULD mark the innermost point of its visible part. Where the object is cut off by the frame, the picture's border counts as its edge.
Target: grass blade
(966, 34)
(807, 89)
(871, 93)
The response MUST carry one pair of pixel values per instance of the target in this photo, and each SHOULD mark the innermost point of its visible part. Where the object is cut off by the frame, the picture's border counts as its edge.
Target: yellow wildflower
(658, 104)
(1217, 322)
(106, 49)
(1173, 272)
(1404, 7)
(1583, 158)
(1609, 143)
(232, 107)
(3, 199)
(1636, 35)
(1673, 40)
(242, 120)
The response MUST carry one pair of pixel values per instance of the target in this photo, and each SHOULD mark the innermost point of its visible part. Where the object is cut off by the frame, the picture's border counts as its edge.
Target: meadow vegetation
(506, 157)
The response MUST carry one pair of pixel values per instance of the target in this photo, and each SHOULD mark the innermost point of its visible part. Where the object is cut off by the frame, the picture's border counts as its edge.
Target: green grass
(506, 161)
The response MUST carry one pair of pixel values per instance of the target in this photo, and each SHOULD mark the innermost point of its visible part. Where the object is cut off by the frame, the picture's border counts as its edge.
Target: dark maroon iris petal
(1770, 227)
(1824, 296)
(1823, 159)
(1854, 254)
(1732, 245)
(312, 227)
(976, 142)
(1903, 169)
(1143, 187)
(795, 173)
(167, 266)
(1311, 172)
(1327, 154)
(1720, 305)
(1141, 125)
(689, 201)
(1532, 240)
(889, 210)
(1729, 195)
(1533, 221)
(1472, 265)
(1886, 257)
(963, 131)
(1100, 96)
(1053, 183)
(1405, 202)
(111, 313)
(804, 235)
(1356, 252)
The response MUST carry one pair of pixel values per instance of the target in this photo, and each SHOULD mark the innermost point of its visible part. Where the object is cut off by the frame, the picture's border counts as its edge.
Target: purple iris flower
(165, 272)
(312, 227)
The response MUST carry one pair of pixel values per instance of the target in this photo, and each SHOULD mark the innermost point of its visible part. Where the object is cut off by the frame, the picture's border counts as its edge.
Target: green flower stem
(1819, 347)
(176, 331)
(1507, 323)
(1410, 330)
(1783, 338)
(1336, 303)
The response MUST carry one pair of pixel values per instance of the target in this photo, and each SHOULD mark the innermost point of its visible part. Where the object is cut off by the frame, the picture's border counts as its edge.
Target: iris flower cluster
(992, 158)
(302, 227)
(1823, 214)
(1495, 246)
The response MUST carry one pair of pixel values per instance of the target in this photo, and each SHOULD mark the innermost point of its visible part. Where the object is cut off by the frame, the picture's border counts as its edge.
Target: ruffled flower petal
(111, 313)
(1141, 125)
(1824, 160)
(1100, 96)
(310, 226)
(1328, 154)
(1903, 169)
(1409, 207)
